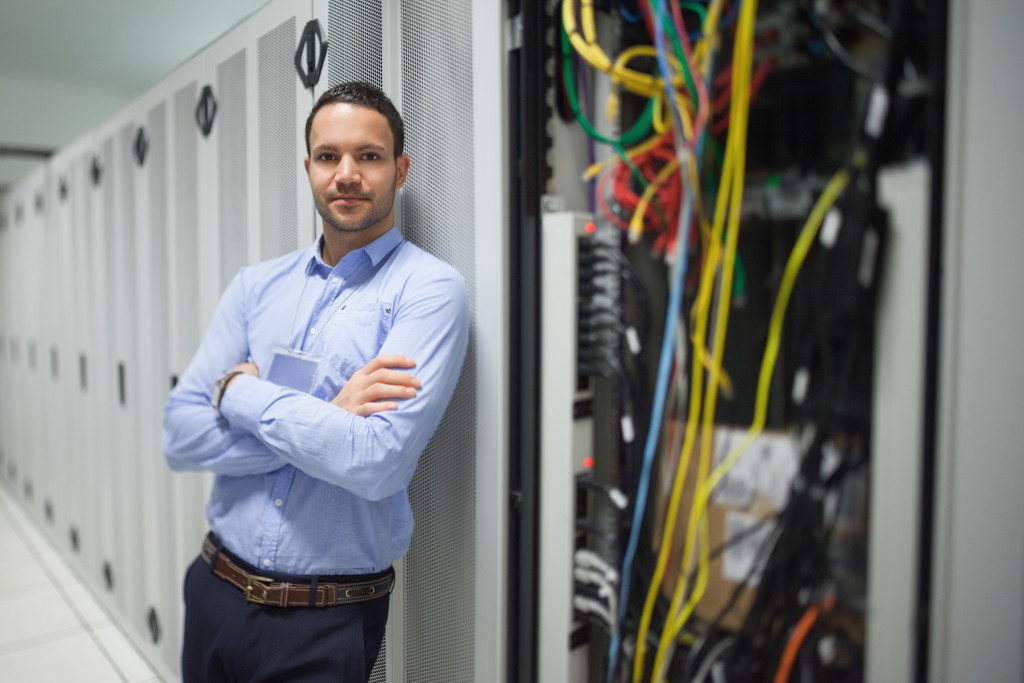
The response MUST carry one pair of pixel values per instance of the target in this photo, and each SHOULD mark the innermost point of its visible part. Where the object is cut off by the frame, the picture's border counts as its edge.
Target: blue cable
(667, 347)
(633, 17)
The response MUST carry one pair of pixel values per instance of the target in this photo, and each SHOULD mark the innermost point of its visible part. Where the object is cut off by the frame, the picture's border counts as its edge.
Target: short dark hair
(362, 94)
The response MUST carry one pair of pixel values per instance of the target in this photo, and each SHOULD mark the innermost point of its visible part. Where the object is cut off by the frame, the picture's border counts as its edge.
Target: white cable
(589, 559)
(713, 655)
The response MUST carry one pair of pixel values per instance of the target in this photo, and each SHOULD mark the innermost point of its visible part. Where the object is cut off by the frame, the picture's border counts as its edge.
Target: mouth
(349, 200)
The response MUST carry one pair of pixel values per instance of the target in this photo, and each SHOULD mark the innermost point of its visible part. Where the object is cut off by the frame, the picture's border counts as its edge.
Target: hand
(248, 368)
(368, 391)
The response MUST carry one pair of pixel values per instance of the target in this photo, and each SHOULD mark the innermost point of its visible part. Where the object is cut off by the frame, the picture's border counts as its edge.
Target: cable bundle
(652, 184)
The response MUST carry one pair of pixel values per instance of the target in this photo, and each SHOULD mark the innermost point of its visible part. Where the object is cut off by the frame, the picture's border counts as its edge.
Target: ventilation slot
(278, 153)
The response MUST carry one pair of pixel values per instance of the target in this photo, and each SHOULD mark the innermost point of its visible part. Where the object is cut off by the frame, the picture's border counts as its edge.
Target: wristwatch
(220, 385)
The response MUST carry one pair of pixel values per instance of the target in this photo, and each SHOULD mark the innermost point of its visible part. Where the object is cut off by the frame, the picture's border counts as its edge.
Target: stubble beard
(379, 210)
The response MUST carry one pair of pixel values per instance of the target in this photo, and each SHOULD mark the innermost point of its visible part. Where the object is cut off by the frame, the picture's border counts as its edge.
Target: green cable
(677, 47)
(635, 134)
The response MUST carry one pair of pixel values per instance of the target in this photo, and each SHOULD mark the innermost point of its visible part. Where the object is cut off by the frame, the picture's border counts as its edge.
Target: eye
(326, 156)
(371, 156)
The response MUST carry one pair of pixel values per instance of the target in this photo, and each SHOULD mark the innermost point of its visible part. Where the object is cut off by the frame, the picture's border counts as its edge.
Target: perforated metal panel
(355, 35)
(157, 217)
(278, 151)
(437, 214)
(233, 166)
(186, 283)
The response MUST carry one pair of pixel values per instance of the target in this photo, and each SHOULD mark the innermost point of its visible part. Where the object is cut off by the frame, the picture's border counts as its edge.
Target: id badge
(293, 370)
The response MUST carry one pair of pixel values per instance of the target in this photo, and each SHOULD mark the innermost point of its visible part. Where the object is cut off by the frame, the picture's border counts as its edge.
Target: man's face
(352, 169)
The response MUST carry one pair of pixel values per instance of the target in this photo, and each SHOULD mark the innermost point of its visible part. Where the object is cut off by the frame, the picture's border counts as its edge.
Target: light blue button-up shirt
(303, 486)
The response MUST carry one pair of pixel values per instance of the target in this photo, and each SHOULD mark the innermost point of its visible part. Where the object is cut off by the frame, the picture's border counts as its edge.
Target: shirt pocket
(353, 339)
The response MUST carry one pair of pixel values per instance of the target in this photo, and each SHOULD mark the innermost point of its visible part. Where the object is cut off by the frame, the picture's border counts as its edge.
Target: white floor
(51, 628)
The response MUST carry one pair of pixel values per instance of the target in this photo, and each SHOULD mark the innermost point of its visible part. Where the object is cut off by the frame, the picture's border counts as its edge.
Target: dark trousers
(230, 639)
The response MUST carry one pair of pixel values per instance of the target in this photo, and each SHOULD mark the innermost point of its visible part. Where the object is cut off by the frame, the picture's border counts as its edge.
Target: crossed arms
(367, 438)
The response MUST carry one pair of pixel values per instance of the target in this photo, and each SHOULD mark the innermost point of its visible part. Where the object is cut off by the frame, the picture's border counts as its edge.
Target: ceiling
(113, 48)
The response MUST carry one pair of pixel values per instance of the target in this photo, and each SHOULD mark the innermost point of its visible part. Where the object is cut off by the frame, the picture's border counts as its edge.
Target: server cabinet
(157, 611)
(61, 506)
(82, 538)
(442, 65)
(25, 227)
(108, 422)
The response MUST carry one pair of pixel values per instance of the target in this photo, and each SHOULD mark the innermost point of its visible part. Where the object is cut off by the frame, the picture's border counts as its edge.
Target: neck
(338, 244)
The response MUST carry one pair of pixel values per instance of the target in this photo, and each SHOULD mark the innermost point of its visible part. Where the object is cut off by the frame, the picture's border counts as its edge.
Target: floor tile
(134, 668)
(34, 615)
(20, 573)
(72, 659)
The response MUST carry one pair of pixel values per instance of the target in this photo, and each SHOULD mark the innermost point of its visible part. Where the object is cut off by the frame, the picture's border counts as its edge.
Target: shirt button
(266, 563)
(312, 330)
(278, 502)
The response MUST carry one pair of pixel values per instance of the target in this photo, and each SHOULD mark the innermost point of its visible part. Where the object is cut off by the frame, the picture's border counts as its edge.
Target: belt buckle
(249, 597)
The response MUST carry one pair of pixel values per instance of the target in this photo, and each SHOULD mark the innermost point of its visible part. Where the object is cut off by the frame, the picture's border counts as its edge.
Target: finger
(378, 392)
(395, 377)
(367, 409)
(389, 360)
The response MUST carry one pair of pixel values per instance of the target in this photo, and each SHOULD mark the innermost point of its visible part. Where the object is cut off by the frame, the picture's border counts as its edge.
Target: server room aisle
(51, 628)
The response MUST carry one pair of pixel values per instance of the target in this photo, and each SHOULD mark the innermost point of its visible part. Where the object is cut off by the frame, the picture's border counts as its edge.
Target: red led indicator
(588, 461)
(591, 228)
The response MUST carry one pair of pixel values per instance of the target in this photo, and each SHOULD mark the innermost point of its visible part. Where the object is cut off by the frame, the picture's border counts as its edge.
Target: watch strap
(220, 385)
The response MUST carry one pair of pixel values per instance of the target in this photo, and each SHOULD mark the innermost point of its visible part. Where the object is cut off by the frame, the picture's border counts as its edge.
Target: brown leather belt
(261, 590)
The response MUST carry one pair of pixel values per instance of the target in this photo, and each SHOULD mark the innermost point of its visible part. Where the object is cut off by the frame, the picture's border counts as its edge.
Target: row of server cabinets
(114, 254)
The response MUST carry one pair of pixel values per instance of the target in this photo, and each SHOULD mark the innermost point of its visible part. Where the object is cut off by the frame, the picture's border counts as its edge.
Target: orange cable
(796, 638)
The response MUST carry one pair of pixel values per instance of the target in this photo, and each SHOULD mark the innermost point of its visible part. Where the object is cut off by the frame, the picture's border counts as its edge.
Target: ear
(402, 163)
(306, 164)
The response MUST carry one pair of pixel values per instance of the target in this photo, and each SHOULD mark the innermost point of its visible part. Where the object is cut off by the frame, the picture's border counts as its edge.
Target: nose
(347, 170)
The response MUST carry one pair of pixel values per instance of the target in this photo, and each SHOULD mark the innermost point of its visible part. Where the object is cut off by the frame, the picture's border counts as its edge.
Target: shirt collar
(375, 250)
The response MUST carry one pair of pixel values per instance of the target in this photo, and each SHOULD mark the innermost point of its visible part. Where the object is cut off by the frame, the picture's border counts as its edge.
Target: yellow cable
(658, 117)
(829, 196)
(633, 152)
(712, 249)
(736, 150)
(585, 44)
(803, 245)
(797, 256)
(619, 67)
(636, 223)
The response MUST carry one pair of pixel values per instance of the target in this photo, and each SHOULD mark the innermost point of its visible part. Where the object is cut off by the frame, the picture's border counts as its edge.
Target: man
(299, 401)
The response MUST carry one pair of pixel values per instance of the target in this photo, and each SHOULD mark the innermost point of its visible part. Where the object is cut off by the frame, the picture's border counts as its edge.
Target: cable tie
(626, 424)
(827, 649)
(801, 383)
(868, 256)
(615, 494)
(830, 228)
(633, 340)
(878, 108)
